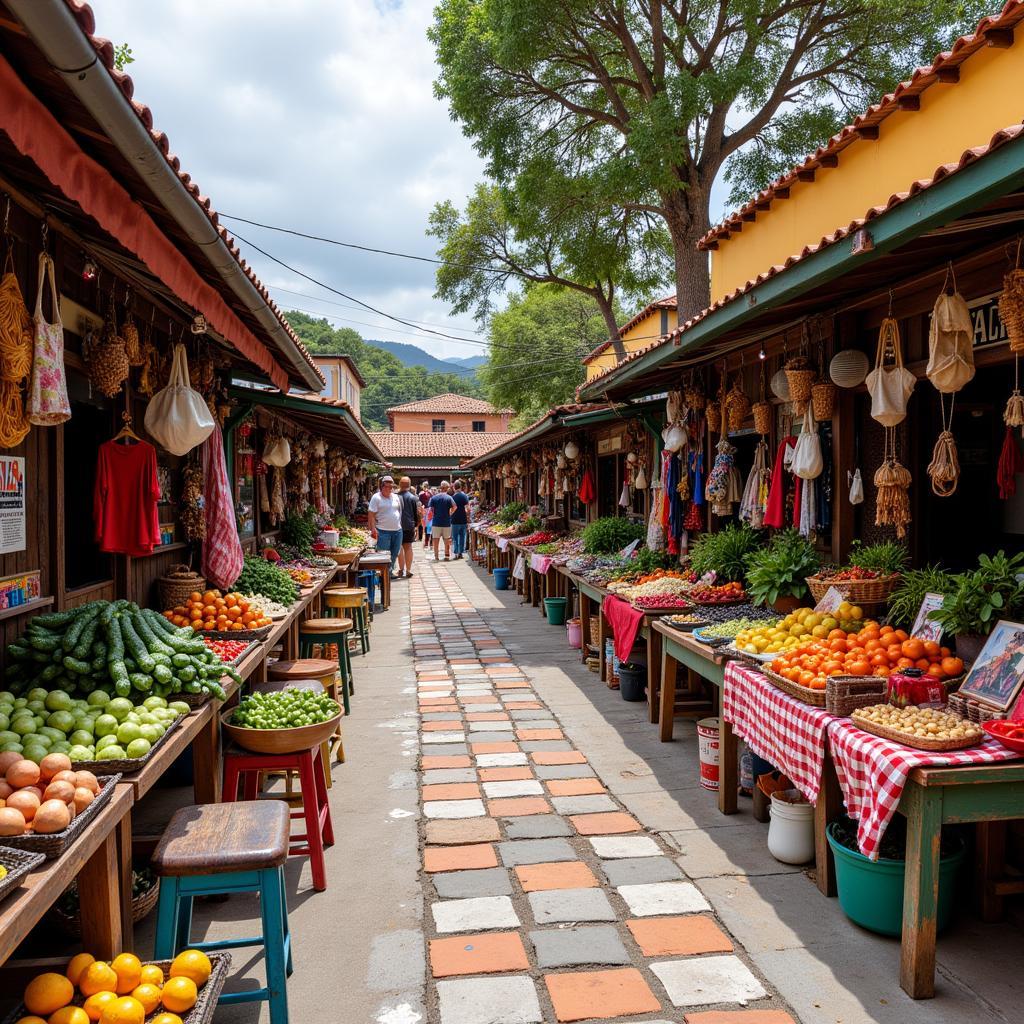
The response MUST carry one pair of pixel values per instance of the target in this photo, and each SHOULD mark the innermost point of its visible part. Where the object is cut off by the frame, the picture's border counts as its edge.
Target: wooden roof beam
(999, 38)
(948, 75)
(909, 102)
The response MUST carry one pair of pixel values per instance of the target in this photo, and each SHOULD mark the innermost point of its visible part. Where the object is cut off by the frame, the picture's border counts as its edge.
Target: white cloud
(317, 115)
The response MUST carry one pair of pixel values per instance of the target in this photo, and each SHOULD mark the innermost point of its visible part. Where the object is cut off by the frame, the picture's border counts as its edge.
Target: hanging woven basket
(800, 377)
(108, 364)
(132, 345)
(763, 418)
(1011, 308)
(737, 406)
(714, 414)
(823, 400)
(695, 398)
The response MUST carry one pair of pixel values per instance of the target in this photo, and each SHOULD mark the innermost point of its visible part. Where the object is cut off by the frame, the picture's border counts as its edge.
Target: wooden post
(666, 716)
(728, 762)
(100, 899)
(654, 678)
(923, 805)
(828, 807)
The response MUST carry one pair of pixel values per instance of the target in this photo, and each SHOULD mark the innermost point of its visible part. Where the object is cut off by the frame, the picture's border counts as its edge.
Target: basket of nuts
(922, 728)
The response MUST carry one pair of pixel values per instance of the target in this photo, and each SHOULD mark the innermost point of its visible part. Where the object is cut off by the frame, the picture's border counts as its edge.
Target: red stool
(245, 766)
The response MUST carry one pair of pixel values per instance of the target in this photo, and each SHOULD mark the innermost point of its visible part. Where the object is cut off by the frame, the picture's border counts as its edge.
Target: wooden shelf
(178, 545)
(36, 605)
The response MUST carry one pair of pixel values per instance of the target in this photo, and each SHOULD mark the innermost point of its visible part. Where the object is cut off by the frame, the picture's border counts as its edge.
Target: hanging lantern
(848, 368)
(572, 450)
(640, 483)
(780, 385)
(631, 458)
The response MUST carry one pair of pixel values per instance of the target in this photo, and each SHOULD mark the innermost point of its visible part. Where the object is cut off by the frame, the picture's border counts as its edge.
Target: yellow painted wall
(911, 145)
(640, 335)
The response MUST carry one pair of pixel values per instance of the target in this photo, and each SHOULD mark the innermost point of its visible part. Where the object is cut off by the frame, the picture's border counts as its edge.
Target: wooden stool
(228, 848)
(338, 598)
(316, 811)
(322, 632)
(301, 671)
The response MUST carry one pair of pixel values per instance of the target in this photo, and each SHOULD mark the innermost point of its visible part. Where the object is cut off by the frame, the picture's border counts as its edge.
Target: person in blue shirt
(460, 520)
(442, 505)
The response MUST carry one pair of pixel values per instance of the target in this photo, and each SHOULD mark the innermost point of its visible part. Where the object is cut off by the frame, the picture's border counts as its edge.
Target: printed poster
(925, 627)
(12, 504)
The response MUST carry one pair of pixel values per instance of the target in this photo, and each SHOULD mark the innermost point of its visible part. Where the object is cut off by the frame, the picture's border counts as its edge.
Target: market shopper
(386, 520)
(412, 515)
(442, 505)
(424, 496)
(460, 519)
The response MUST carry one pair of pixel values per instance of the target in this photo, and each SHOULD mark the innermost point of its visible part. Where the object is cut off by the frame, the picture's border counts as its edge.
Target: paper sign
(925, 627)
(519, 569)
(627, 551)
(833, 598)
(12, 504)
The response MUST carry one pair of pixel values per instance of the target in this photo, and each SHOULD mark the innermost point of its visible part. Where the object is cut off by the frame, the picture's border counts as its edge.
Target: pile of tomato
(228, 650)
(726, 593)
(874, 651)
(212, 611)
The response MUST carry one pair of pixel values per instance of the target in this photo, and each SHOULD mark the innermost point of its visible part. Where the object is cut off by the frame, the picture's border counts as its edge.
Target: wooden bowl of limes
(279, 741)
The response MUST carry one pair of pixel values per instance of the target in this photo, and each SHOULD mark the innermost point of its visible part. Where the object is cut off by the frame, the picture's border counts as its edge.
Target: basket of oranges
(127, 990)
(225, 616)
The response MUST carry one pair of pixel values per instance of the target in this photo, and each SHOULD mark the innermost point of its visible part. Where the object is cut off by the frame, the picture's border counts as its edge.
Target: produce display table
(96, 858)
(700, 661)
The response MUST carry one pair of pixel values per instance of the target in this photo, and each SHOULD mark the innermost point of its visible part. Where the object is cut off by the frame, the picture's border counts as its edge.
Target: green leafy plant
(511, 512)
(299, 530)
(530, 525)
(646, 560)
(781, 568)
(725, 552)
(983, 596)
(914, 584)
(610, 534)
(260, 577)
(887, 557)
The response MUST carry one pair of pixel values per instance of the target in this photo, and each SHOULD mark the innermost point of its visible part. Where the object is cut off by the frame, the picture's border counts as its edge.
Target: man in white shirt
(386, 520)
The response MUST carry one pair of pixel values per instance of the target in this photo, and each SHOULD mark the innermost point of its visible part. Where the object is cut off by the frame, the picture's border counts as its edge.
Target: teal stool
(322, 632)
(341, 601)
(216, 849)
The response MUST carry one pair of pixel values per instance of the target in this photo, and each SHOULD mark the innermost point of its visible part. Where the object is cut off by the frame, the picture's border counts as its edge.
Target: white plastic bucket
(707, 745)
(791, 832)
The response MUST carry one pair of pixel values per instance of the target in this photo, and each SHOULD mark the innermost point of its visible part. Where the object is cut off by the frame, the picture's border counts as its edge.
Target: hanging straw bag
(177, 417)
(807, 461)
(950, 344)
(47, 404)
(889, 384)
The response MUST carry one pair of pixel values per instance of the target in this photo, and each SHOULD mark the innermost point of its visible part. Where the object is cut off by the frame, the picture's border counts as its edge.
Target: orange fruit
(148, 995)
(77, 965)
(30, 1020)
(125, 1010)
(48, 992)
(193, 964)
(97, 977)
(179, 995)
(69, 1015)
(128, 969)
(166, 1018)
(97, 1002)
(152, 974)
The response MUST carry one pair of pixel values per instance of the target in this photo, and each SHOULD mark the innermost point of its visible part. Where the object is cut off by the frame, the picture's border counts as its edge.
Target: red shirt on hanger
(125, 499)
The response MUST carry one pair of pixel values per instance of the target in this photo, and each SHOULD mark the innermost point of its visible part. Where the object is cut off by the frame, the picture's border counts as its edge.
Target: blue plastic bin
(501, 579)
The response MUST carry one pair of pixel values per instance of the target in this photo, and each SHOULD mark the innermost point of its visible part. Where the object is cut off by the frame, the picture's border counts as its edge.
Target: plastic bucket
(632, 681)
(575, 633)
(554, 609)
(707, 745)
(501, 579)
(791, 832)
(871, 892)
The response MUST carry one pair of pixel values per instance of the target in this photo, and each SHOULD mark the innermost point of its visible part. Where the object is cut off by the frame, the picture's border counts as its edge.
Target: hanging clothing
(823, 483)
(676, 509)
(1011, 462)
(775, 514)
(125, 497)
(696, 466)
(222, 550)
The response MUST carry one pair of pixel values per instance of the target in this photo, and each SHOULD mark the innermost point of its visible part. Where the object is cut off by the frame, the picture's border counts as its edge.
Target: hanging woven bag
(15, 328)
(737, 406)
(48, 403)
(890, 384)
(950, 344)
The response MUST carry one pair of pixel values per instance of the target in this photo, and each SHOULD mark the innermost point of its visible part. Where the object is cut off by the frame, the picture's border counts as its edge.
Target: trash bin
(632, 681)
(554, 609)
(501, 579)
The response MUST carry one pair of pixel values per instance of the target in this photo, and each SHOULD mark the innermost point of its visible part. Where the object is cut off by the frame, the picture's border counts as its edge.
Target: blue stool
(228, 848)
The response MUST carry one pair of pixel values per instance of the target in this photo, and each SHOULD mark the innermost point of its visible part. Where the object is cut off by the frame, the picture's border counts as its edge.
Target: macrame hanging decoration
(1013, 415)
(892, 482)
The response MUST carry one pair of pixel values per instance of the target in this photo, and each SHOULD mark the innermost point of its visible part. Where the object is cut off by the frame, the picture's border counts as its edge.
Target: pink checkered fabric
(222, 550)
(787, 733)
(540, 563)
(873, 771)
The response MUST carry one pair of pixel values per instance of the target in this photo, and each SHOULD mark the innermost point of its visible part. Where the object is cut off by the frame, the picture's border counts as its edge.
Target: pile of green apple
(98, 727)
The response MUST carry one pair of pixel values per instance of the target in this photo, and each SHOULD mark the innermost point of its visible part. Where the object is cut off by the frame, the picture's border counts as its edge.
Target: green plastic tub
(871, 892)
(554, 609)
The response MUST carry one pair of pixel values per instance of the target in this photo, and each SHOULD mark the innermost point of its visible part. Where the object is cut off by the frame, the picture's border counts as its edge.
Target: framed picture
(998, 674)
(925, 627)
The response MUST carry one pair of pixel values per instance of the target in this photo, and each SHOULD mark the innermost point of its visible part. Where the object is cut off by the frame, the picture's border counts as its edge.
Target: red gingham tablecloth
(873, 771)
(786, 732)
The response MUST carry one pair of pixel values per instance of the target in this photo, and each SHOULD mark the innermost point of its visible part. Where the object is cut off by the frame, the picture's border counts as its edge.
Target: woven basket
(18, 864)
(126, 765)
(175, 587)
(714, 415)
(763, 418)
(816, 698)
(917, 742)
(53, 846)
(695, 398)
(238, 634)
(800, 381)
(142, 906)
(108, 364)
(844, 694)
(972, 709)
(737, 406)
(823, 400)
(856, 591)
(1011, 308)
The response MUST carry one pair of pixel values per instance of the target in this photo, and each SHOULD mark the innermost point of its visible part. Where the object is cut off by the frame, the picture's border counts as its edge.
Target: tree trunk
(686, 215)
(605, 305)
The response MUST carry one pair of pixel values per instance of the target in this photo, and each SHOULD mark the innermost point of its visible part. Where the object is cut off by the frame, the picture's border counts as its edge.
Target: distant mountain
(413, 355)
(470, 362)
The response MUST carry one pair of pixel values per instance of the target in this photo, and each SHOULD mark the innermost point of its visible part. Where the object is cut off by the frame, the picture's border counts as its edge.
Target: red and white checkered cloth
(540, 563)
(222, 550)
(873, 771)
(786, 732)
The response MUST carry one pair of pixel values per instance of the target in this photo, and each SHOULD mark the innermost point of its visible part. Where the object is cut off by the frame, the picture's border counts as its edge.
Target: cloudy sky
(316, 115)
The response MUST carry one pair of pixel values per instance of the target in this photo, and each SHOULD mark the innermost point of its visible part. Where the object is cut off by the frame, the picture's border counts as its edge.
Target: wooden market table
(378, 560)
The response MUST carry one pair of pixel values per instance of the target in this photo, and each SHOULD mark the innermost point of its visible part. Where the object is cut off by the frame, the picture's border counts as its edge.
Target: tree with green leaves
(659, 95)
(559, 326)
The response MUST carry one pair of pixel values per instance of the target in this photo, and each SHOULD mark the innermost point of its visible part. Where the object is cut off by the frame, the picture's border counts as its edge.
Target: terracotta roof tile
(451, 403)
(942, 172)
(105, 51)
(456, 444)
(922, 79)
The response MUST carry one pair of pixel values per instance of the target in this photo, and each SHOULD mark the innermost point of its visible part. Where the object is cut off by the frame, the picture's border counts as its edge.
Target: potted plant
(980, 598)
(777, 574)
(871, 892)
(724, 552)
(906, 599)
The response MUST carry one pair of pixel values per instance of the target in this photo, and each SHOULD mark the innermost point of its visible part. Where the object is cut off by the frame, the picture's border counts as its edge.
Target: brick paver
(534, 875)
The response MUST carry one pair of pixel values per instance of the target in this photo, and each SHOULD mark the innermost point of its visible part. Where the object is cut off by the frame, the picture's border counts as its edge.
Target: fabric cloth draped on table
(540, 563)
(873, 771)
(625, 621)
(222, 550)
(786, 732)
